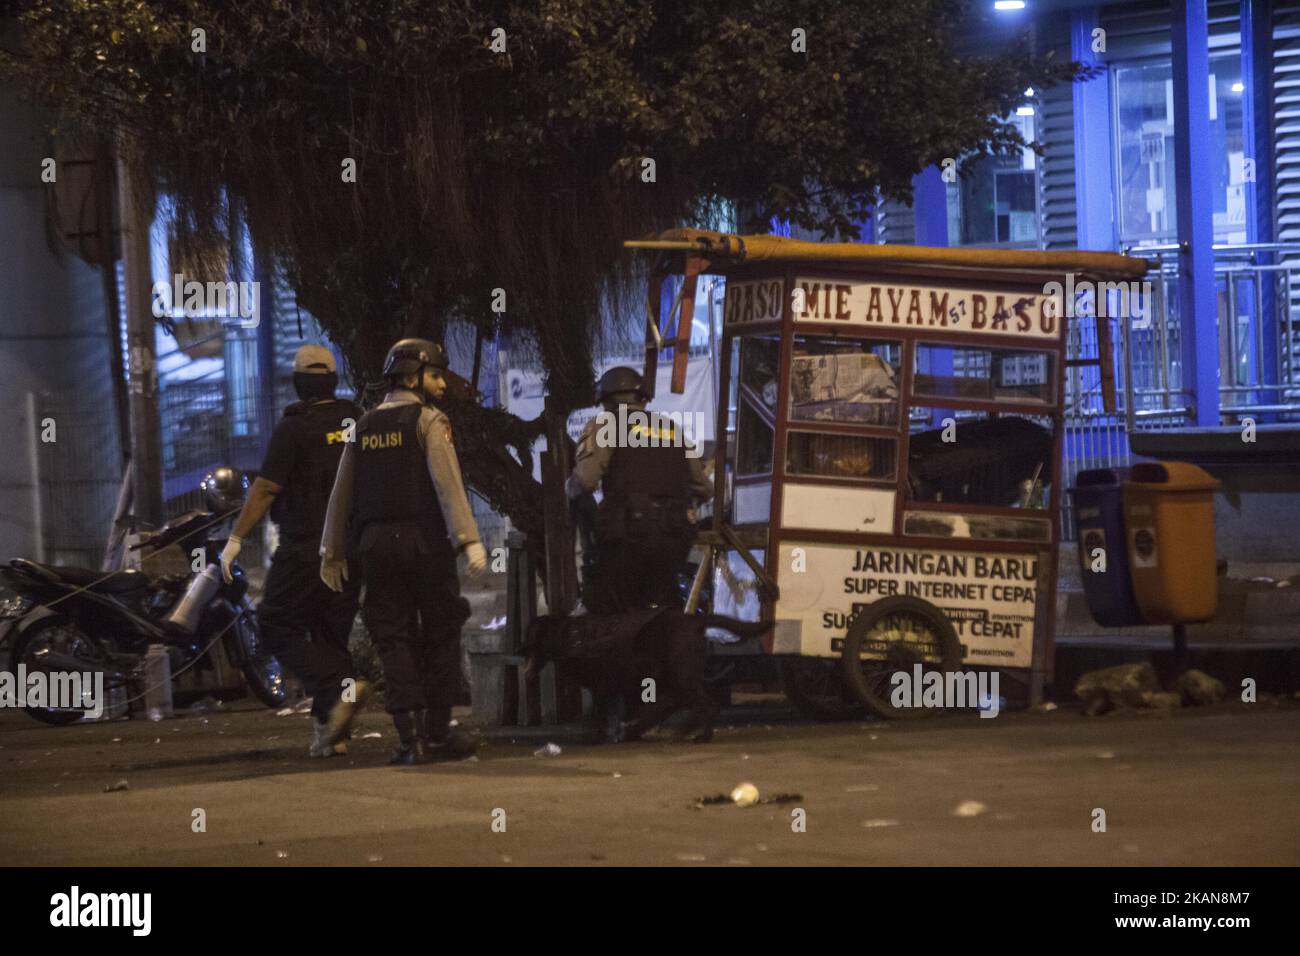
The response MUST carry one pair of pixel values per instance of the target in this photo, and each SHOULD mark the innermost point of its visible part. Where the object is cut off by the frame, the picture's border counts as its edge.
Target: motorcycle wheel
(54, 634)
(262, 671)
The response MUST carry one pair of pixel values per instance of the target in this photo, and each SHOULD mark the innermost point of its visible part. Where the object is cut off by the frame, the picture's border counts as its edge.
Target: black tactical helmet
(621, 379)
(224, 488)
(411, 355)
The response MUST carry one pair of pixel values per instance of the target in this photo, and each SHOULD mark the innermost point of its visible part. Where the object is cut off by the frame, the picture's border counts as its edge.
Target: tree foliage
(480, 169)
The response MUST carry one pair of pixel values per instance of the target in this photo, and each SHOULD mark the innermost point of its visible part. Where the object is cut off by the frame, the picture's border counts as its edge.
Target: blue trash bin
(1099, 517)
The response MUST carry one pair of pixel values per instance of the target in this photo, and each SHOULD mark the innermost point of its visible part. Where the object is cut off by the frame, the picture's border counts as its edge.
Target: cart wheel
(899, 632)
(816, 688)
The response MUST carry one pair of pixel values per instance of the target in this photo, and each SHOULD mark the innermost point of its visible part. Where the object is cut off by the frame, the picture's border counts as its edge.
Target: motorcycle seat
(117, 582)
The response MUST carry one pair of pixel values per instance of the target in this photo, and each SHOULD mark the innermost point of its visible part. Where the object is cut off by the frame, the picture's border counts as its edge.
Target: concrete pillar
(1197, 301)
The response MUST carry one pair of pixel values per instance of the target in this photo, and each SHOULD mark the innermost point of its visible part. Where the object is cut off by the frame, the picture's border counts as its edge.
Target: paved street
(1212, 786)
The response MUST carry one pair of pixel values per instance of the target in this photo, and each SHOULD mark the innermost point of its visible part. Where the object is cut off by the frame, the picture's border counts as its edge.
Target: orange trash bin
(1169, 527)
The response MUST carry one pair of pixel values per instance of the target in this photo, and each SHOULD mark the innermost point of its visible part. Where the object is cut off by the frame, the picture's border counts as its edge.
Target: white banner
(990, 598)
(1014, 312)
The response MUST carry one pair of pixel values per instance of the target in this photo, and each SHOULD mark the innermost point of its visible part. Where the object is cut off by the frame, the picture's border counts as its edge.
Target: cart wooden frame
(895, 298)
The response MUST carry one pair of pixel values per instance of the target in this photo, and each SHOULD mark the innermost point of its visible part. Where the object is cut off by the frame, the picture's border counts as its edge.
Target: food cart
(888, 492)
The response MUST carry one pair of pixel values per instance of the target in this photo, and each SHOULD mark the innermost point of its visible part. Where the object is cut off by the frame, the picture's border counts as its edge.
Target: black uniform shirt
(282, 453)
(301, 458)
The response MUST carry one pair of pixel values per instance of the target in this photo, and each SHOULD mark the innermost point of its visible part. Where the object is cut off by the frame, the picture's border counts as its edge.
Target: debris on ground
(1136, 686)
(1161, 701)
(550, 750)
(1046, 707)
(115, 787)
(783, 798)
(1114, 688)
(373, 735)
(1198, 688)
(969, 808)
(745, 795)
(303, 706)
(284, 712)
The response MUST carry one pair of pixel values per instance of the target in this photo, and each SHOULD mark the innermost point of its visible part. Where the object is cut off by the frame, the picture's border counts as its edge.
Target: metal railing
(1258, 294)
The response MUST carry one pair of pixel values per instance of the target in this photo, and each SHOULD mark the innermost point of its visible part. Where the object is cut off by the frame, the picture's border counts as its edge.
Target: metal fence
(1258, 294)
(78, 474)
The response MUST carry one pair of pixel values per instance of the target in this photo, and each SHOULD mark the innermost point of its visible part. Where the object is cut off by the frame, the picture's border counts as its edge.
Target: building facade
(1184, 148)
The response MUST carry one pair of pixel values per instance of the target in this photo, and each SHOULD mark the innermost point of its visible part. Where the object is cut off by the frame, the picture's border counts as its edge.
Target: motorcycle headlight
(14, 606)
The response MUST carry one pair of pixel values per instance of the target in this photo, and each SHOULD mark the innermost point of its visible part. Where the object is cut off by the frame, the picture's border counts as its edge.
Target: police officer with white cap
(303, 623)
(399, 495)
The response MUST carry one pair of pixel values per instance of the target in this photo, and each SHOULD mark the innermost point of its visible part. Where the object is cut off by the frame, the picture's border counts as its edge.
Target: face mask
(315, 387)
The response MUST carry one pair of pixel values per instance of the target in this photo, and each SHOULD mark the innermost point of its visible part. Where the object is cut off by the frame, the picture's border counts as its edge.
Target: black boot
(411, 748)
(442, 738)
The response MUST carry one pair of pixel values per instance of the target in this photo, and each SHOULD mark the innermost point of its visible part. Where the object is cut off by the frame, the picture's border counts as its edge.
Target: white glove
(334, 571)
(475, 559)
(228, 555)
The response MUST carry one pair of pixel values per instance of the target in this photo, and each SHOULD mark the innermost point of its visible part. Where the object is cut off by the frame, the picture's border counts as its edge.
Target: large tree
(500, 144)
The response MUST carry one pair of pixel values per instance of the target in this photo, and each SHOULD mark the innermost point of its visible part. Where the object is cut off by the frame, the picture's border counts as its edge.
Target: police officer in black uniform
(303, 623)
(400, 495)
(649, 482)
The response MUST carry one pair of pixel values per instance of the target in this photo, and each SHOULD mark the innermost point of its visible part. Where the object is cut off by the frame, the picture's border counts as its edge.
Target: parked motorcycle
(80, 620)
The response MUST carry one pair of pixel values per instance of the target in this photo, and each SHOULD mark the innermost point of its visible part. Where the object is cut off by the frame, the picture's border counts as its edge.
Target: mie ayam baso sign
(886, 305)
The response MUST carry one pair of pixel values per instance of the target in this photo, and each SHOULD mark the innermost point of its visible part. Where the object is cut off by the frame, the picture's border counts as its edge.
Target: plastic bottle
(158, 682)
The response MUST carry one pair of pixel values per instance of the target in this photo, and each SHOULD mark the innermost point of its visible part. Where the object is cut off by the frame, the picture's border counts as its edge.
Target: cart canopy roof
(724, 250)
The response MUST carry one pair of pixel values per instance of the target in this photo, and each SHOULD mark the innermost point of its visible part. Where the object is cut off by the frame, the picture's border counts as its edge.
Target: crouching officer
(303, 624)
(649, 483)
(400, 495)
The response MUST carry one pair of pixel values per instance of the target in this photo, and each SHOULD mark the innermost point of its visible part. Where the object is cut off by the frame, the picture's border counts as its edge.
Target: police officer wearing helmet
(400, 496)
(649, 483)
(304, 624)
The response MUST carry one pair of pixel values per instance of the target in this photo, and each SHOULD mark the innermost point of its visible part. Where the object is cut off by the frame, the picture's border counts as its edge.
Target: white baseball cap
(314, 360)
